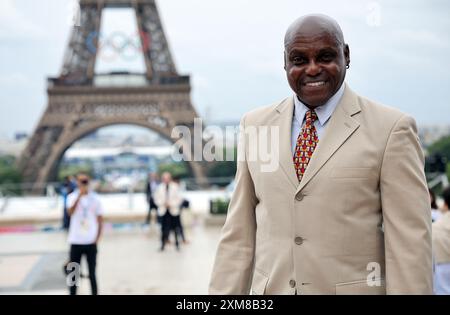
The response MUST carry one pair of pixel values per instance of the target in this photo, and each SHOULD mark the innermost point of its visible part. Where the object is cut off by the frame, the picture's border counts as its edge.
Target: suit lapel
(284, 122)
(340, 127)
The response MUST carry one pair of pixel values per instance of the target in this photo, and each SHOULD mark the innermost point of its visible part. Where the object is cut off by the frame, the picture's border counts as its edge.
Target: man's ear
(347, 54)
(284, 59)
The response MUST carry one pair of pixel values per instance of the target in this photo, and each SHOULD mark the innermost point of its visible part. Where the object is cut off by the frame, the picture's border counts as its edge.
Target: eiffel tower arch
(78, 103)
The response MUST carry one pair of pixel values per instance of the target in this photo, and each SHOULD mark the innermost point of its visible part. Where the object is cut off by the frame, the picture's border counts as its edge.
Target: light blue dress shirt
(323, 112)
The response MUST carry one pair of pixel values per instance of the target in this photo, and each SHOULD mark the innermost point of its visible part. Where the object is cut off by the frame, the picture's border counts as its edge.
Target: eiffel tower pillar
(79, 105)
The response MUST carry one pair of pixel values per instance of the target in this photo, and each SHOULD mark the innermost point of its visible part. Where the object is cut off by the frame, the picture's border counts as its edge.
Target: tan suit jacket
(361, 212)
(441, 239)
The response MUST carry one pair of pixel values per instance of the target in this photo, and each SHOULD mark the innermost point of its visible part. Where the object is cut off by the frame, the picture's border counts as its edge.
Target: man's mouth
(315, 84)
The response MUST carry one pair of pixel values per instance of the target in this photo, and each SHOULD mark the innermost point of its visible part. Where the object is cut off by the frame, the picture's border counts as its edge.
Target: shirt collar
(323, 112)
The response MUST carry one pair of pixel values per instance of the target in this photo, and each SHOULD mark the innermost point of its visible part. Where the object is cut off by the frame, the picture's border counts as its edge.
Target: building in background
(119, 159)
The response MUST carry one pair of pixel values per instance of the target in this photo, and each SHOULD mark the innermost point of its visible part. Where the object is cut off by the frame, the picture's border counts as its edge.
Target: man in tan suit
(347, 209)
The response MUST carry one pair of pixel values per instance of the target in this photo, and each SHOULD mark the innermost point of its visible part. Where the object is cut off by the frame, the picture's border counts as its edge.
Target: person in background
(435, 212)
(177, 225)
(168, 199)
(73, 181)
(86, 213)
(441, 247)
(67, 187)
(152, 185)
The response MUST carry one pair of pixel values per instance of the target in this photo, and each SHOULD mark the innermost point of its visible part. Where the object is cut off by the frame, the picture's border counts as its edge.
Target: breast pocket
(352, 173)
(259, 283)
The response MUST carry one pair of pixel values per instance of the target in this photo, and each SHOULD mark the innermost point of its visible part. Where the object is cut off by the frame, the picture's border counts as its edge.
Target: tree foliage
(178, 170)
(10, 176)
(224, 169)
(442, 147)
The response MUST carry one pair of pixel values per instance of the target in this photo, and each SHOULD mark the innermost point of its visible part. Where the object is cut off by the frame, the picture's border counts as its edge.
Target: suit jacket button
(299, 197)
(292, 283)
(299, 240)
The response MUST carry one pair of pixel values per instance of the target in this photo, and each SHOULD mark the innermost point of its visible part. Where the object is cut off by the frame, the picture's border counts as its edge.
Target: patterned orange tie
(306, 144)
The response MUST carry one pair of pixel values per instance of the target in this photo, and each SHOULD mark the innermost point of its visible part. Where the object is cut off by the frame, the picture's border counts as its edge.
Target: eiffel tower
(78, 104)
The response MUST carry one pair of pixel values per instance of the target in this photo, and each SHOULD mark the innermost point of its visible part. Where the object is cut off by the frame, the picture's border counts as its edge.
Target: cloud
(422, 37)
(234, 51)
(201, 81)
(14, 79)
(15, 25)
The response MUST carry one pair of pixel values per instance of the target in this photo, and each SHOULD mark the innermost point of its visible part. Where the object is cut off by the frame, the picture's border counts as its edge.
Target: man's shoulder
(263, 114)
(379, 108)
(73, 194)
(375, 107)
(381, 114)
(71, 198)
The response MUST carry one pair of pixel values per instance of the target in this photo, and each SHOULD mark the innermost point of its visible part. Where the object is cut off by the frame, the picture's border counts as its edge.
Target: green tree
(442, 146)
(448, 170)
(224, 169)
(10, 176)
(178, 170)
(72, 170)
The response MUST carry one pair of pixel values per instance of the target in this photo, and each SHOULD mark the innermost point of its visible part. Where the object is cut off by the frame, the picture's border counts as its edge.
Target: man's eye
(298, 60)
(327, 57)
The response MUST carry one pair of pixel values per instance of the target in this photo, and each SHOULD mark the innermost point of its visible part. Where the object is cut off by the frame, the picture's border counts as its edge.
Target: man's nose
(313, 69)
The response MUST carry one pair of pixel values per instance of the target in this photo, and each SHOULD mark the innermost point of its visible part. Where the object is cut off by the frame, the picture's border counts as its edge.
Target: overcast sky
(234, 51)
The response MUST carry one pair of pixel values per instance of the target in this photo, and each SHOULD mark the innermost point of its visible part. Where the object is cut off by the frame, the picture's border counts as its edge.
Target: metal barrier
(21, 195)
(439, 179)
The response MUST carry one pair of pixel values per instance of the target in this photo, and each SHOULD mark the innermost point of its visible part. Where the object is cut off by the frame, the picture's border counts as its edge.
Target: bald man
(347, 209)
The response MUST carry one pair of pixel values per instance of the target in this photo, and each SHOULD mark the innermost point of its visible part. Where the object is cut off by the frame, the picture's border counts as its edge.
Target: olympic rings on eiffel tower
(118, 45)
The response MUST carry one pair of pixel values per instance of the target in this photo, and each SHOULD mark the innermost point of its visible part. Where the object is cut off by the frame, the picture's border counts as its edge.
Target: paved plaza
(128, 262)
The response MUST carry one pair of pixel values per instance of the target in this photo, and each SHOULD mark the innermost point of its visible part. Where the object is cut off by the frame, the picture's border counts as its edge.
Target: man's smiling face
(315, 64)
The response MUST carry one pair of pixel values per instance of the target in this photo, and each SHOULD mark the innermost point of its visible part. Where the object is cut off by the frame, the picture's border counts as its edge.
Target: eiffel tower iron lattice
(79, 101)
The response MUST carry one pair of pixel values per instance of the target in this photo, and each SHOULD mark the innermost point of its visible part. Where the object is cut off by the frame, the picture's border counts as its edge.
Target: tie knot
(311, 117)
